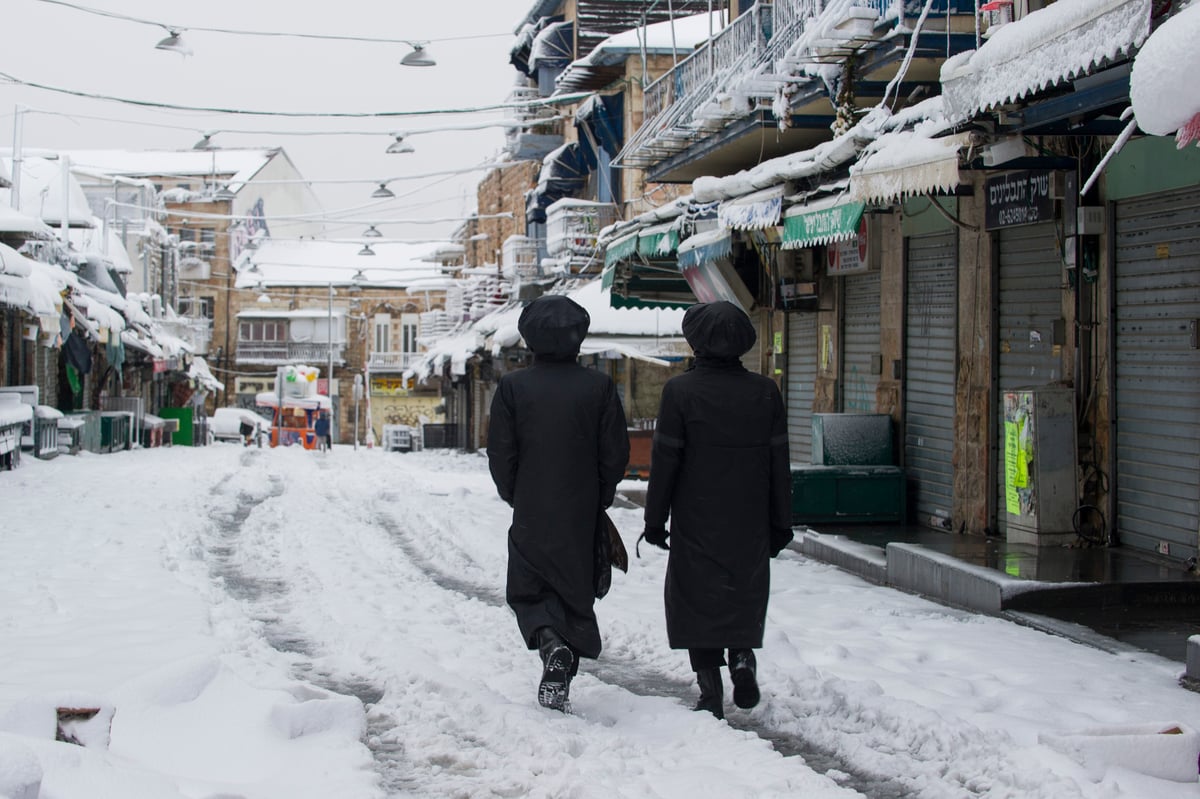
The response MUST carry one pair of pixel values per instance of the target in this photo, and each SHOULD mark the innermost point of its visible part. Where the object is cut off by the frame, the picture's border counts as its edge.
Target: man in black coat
(719, 469)
(557, 447)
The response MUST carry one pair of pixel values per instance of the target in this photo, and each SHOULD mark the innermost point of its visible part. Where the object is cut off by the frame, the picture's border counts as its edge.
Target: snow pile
(1163, 87)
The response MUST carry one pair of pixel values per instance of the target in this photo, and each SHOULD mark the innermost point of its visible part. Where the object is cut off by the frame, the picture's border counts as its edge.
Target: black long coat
(719, 468)
(557, 447)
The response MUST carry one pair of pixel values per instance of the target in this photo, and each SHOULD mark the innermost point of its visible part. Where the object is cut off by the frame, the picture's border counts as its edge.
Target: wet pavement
(1136, 599)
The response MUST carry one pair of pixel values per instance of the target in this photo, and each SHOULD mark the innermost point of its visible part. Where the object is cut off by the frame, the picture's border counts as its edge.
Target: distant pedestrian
(321, 429)
(719, 469)
(247, 431)
(557, 447)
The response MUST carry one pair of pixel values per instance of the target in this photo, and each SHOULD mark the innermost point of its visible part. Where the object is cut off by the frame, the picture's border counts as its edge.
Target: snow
(334, 625)
(1162, 86)
(689, 32)
(1061, 41)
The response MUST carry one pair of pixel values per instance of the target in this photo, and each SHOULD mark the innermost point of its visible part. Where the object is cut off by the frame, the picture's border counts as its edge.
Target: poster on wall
(851, 255)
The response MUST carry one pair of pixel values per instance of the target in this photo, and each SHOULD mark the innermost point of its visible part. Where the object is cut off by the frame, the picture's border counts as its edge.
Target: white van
(226, 424)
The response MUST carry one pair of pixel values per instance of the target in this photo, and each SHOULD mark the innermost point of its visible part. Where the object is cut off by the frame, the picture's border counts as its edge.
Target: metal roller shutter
(1031, 279)
(801, 378)
(929, 357)
(860, 342)
(1158, 372)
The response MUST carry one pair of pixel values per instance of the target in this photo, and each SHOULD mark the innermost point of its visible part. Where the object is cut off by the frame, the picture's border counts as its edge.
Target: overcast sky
(70, 49)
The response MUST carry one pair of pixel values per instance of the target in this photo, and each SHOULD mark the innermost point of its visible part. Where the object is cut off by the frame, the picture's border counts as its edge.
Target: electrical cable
(273, 34)
(548, 101)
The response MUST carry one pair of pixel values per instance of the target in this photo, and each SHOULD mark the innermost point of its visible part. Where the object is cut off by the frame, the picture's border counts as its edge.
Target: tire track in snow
(264, 596)
(635, 678)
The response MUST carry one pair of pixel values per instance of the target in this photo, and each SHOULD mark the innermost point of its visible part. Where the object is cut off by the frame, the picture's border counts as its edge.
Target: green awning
(658, 242)
(804, 226)
(609, 275)
(621, 249)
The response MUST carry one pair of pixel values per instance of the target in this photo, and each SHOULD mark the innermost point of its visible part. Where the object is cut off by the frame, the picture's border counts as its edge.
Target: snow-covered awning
(753, 211)
(659, 241)
(705, 247)
(1059, 42)
(905, 163)
(621, 249)
(824, 221)
(1163, 86)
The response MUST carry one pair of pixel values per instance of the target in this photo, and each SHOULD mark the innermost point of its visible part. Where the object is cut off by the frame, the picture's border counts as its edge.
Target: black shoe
(712, 692)
(743, 670)
(559, 665)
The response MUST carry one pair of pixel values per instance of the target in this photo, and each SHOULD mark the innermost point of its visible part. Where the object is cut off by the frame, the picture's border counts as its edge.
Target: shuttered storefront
(929, 358)
(1158, 372)
(1031, 280)
(860, 342)
(801, 378)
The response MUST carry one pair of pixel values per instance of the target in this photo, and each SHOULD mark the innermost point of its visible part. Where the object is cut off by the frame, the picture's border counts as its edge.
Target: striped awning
(621, 249)
(659, 241)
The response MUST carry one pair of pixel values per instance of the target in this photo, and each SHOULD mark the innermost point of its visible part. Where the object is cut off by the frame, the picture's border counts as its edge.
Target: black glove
(653, 535)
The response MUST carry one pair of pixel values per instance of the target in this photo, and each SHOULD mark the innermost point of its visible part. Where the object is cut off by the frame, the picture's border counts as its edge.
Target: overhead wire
(539, 103)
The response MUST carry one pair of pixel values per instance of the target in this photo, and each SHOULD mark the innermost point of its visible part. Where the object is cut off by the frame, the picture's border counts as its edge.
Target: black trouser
(709, 658)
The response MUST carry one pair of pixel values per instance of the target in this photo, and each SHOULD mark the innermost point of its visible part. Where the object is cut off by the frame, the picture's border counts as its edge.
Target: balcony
(572, 228)
(706, 115)
(392, 361)
(276, 353)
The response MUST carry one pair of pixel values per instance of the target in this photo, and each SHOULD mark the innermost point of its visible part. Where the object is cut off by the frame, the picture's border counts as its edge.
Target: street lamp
(329, 377)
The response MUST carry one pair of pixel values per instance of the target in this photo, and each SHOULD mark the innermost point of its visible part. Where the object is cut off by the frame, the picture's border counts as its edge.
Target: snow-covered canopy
(14, 221)
(312, 262)
(1057, 43)
(1163, 86)
(42, 193)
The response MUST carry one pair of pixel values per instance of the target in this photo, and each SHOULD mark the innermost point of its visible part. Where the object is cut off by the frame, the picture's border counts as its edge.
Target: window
(383, 332)
(197, 307)
(262, 330)
(408, 333)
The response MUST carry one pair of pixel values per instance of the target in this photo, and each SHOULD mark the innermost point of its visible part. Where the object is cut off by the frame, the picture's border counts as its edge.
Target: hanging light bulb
(366, 250)
(173, 43)
(383, 192)
(372, 233)
(263, 299)
(419, 57)
(205, 142)
(399, 145)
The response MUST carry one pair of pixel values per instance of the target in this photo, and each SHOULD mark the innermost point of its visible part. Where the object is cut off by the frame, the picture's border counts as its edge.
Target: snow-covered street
(281, 623)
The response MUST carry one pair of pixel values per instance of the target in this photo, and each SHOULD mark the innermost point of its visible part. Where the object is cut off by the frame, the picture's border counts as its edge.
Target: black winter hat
(554, 325)
(718, 330)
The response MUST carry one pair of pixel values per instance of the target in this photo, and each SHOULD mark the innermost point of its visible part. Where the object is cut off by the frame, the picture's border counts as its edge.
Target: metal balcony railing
(284, 352)
(392, 361)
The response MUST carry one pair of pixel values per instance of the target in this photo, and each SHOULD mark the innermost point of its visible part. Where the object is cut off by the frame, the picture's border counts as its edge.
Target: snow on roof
(42, 193)
(689, 32)
(1056, 43)
(33, 286)
(316, 262)
(14, 221)
(239, 165)
(1163, 86)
